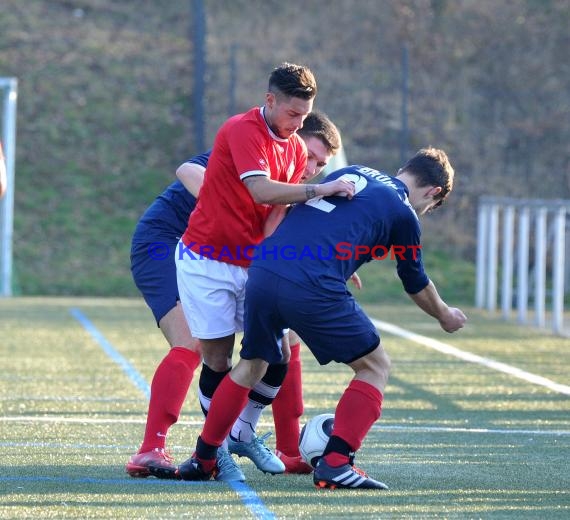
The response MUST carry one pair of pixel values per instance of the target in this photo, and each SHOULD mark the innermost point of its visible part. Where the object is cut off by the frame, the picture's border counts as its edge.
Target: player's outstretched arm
(451, 319)
(267, 191)
(192, 176)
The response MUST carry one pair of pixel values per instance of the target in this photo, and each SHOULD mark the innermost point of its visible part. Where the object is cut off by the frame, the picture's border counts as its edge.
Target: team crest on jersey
(262, 163)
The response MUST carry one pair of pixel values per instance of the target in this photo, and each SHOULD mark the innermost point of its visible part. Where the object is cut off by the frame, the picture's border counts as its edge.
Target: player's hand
(338, 187)
(355, 279)
(453, 320)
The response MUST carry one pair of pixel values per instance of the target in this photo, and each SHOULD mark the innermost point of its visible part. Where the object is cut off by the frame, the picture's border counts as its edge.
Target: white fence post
(482, 238)
(558, 271)
(500, 220)
(540, 267)
(492, 257)
(522, 265)
(10, 88)
(507, 261)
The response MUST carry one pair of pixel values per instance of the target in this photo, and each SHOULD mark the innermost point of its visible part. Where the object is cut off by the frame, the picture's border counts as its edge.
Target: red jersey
(227, 221)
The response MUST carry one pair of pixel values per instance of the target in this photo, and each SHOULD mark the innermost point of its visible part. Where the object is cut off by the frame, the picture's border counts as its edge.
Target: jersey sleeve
(201, 159)
(248, 147)
(406, 240)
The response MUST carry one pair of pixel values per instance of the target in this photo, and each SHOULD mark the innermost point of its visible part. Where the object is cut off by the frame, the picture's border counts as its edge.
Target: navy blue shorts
(154, 272)
(335, 328)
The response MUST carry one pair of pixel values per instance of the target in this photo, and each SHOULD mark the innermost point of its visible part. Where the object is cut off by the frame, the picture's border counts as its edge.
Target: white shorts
(212, 295)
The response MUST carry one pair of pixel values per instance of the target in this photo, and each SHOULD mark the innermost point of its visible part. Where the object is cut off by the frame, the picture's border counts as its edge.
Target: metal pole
(404, 135)
(199, 38)
(522, 266)
(7, 202)
(507, 261)
(233, 80)
(540, 268)
(492, 258)
(482, 236)
(558, 271)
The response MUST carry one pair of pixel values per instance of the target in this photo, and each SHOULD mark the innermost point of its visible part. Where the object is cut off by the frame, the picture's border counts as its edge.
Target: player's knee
(383, 363)
(190, 343)
(248, 372)
(218, 364)
(377, 363)
(217, 355)
(217, 361)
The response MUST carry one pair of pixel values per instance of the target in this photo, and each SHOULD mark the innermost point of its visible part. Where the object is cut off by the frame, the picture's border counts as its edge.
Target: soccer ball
(314, 437)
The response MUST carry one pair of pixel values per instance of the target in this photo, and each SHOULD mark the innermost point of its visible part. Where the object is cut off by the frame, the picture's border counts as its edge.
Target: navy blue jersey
(154, 241)
(167, 217)
(322, 242)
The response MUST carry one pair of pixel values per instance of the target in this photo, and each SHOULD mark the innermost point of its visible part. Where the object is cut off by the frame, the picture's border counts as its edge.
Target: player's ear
(433, 191)
(270, 99)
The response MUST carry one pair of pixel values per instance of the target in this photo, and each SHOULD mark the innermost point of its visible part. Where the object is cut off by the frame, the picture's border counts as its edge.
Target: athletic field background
(475, 424)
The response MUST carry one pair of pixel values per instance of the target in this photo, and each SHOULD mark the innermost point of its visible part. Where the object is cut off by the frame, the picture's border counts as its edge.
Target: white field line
(396, 428)
(471, 358)
(247, 495)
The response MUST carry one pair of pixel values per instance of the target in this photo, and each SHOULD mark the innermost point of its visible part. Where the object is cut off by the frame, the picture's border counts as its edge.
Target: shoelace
(361, 472)
(165, 455)
(258, 444)
(225, 461)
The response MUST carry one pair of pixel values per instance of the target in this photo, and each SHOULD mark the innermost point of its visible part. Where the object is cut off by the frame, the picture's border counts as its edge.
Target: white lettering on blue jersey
(379, 176)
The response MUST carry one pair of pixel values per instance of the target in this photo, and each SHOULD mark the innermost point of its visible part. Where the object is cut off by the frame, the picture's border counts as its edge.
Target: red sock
(358, 409)
(288, 407)
(228, 401)
(167, 393)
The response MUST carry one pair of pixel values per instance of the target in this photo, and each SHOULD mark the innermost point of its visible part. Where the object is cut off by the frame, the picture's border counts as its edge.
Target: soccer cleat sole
(190, 470)
(164, 473)
(262, 471)
(323, 484)
(138, 472)
(343, 477)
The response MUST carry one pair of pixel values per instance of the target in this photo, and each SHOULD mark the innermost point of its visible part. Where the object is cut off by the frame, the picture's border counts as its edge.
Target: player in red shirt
(245, 148)
(256, 161)
(163, 224)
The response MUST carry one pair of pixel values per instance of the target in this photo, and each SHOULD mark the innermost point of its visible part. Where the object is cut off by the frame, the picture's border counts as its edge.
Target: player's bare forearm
(266, 191)
(451, 319)
(192, 176)
(429, 301)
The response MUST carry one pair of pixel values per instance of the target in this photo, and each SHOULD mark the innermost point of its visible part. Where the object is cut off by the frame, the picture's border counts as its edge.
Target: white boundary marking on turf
(247, 495)
(136, 378)
(471, 358)
(385, 427)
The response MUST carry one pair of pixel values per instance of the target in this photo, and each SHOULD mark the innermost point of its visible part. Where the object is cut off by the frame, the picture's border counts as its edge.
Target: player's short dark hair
(317, 124)
(431, 167)
(293, 81)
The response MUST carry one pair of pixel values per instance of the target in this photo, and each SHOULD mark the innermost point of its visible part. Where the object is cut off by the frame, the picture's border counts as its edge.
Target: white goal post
(9, 90)
(523, 258)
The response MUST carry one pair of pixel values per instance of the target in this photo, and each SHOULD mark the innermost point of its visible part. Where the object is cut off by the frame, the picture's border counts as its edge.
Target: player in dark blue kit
(154, 246)
(298, 280)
